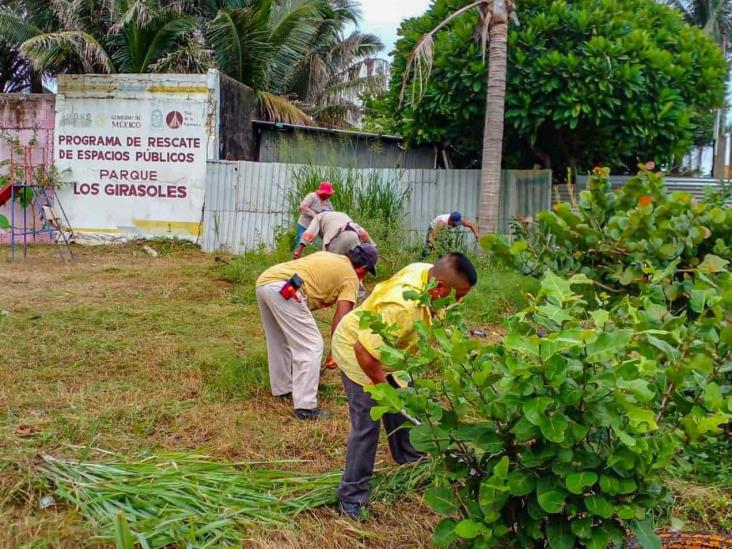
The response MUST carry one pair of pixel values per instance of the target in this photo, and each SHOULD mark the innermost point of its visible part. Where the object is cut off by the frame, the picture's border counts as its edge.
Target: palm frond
(48, 51)
(224, 38)
(166, 38)
(294, 25)
(14, 30)
(276, 108)
(420, 60)
(192, 58)
(140, 14)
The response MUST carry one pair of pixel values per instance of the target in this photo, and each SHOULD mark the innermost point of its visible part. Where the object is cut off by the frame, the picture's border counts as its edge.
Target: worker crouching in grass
(356, 351)
(286, 294)
(338, 232)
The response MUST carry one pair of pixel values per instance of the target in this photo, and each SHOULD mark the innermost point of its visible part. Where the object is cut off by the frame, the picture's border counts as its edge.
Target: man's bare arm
(342, 309)
(370, 365)
(470, 225)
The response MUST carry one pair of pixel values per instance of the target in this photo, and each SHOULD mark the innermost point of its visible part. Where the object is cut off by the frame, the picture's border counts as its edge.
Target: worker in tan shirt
(286, 293)
(338, 232)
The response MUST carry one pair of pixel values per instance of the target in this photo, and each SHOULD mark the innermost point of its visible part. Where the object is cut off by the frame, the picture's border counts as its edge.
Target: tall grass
(373, 200)
(188, 500)
(364, 195)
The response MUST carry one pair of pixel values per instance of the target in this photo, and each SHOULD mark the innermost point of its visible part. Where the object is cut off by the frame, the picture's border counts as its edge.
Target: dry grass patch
(135, 354)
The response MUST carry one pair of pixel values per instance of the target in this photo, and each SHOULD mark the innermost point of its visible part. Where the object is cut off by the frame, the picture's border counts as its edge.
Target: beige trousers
(294, 346)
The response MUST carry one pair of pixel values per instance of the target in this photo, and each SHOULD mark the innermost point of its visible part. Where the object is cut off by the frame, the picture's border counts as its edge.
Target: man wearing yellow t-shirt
(356, 350)
(286, 293)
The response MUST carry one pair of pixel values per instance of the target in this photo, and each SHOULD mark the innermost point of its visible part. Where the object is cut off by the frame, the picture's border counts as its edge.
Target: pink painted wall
(28, 118)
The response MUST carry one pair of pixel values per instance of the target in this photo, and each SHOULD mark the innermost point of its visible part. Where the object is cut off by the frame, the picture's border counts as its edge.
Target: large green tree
(611, 81)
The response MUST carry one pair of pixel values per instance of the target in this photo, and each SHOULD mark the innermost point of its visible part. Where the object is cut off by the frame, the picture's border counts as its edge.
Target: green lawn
(123, 352)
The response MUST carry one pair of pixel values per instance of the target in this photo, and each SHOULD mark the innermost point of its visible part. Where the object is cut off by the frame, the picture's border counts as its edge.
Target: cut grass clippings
(190, 500)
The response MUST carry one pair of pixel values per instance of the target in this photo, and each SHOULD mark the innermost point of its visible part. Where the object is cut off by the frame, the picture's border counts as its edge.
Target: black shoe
(356, 511)
(315, 413)
(286, 395)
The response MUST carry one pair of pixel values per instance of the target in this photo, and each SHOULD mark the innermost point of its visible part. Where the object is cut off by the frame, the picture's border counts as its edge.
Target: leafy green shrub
(619, 238)
(561, 431)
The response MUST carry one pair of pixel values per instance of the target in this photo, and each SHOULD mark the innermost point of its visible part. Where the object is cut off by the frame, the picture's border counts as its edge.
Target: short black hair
(462, 265)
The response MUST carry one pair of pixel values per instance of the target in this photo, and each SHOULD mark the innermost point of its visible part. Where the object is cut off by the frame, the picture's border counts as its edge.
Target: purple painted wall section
(28, 119)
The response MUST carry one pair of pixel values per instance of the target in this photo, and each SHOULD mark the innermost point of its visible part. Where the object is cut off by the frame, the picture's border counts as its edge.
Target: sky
(382, 17)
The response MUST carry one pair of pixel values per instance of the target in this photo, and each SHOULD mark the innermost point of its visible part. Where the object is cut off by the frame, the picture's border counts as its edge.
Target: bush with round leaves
(621, 238)
(560, 433)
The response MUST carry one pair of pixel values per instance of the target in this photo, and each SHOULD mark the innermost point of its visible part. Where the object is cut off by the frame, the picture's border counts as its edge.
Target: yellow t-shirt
(388, 300)
(326, 277)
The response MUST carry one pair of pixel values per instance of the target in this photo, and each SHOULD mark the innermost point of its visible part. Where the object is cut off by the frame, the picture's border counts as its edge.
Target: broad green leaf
(725, 336)
(522, 344)
(534, 409)
(600, 318)
(441, 499)
(556, 287)
(525, 430)
(582, 528)
(598, 539)
(643, 531)
(391, 357)
(491, 442)
(713, 398)
(610, 485)
(577, 482)
(377, 412)
(500, 470)
(554, 427)
(638, 387)
(559, 535)
(598, 505)
(4, 223)
(551, 501)
(426, 439)
(521, 483)
(554, 313)
(607, 345)
(641, 419)
(467, 529)
(713, 264)
(444, 533)
(672, 352)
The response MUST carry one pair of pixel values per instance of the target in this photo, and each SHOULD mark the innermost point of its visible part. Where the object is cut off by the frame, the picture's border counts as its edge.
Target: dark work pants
(363, 441)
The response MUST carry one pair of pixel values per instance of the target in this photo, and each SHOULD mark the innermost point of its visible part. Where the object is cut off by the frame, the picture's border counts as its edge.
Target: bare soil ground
(122, 351)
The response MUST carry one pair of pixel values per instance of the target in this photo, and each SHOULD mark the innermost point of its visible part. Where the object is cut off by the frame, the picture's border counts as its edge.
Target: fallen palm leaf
(187, 499)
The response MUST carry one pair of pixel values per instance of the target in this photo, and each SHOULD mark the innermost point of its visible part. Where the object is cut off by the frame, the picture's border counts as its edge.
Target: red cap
(325, 189)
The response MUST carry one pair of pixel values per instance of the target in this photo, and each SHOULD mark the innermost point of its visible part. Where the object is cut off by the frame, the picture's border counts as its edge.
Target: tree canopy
(611, 81)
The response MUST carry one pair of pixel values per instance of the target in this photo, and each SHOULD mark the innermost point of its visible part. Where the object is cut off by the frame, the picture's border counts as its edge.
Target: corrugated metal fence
(696, 187)
(246, 202)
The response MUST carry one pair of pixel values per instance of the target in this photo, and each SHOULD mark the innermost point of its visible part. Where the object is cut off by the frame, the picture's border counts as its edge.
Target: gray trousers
(294, 346)
(343, 242)
(363, 441)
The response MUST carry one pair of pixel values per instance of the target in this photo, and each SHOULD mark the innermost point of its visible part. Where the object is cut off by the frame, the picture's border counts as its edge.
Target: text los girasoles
(126, 182)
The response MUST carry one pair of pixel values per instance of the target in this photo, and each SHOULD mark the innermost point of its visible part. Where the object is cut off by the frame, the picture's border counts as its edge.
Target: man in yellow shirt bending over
(286, 294)
(357, 352)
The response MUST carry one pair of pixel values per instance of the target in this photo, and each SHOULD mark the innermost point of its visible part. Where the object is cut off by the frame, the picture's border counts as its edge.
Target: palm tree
(492, 31)
(340, 68)
(714, 17)
(294, 53)
(108, 36)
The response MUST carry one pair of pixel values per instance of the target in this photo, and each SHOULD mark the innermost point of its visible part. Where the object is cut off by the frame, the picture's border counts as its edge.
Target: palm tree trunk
(490, 174)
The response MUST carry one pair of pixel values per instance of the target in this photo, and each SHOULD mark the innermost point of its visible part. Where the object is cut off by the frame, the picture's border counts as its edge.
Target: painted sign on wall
(133, 149)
